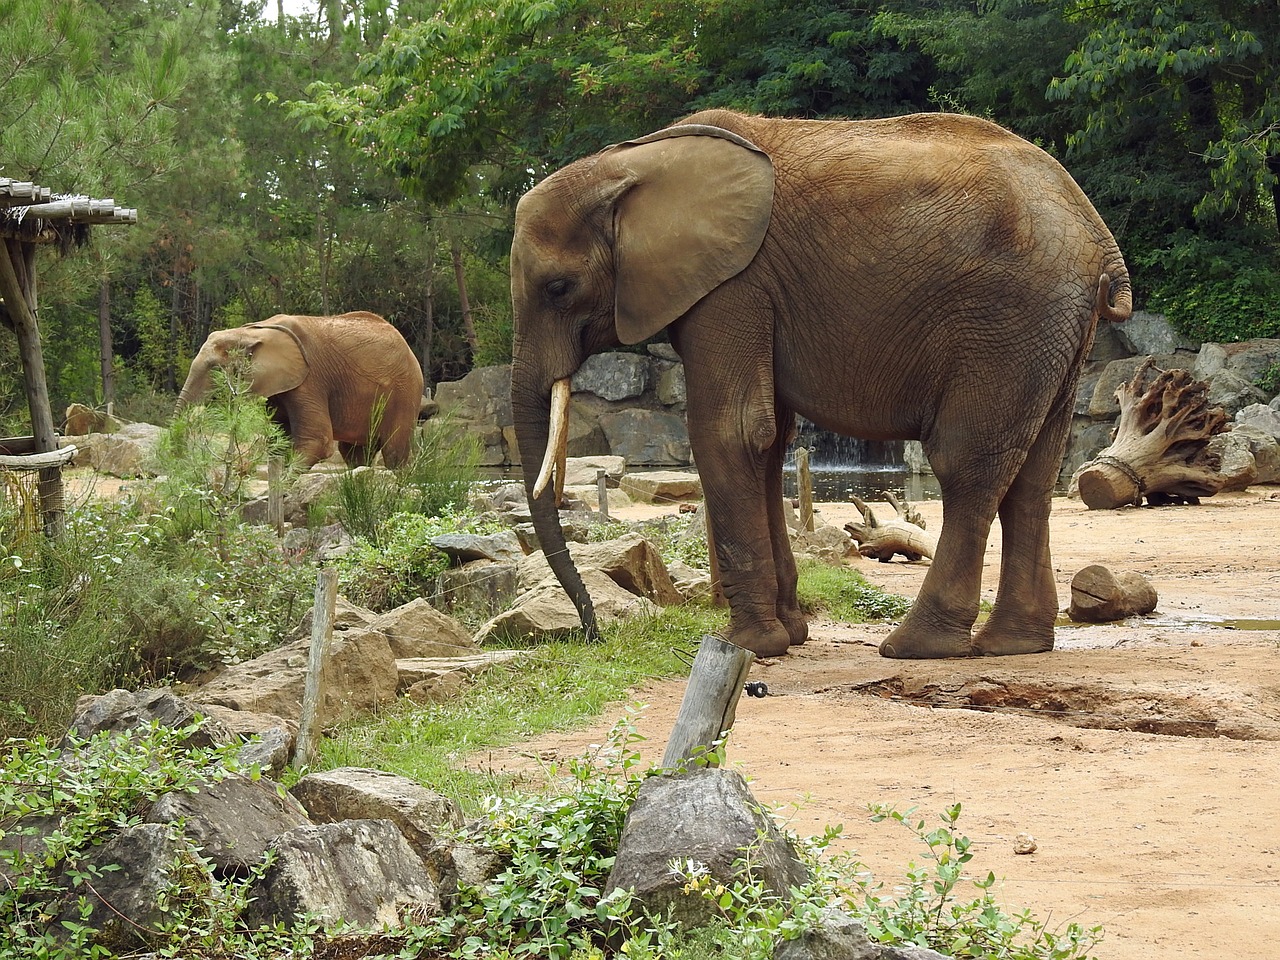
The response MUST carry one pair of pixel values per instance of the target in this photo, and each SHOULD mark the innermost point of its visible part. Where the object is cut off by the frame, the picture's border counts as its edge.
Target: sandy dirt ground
(1142, 756)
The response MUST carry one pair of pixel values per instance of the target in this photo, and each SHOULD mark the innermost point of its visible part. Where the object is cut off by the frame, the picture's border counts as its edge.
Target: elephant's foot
(1008, 636)
(796, 624)
(763, 638)
(924, 637)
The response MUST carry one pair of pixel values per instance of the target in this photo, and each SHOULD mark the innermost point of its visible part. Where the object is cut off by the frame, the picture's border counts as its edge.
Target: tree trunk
(467, 326)
(904, 534)
(175, 304)
(1160, 446)
(105, 352)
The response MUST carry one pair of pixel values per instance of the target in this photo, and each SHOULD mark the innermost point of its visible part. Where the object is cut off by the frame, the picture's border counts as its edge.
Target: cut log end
(1104, 486)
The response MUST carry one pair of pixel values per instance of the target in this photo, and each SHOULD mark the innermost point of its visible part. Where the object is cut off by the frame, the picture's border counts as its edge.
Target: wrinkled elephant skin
(928, 277)
(349, 379)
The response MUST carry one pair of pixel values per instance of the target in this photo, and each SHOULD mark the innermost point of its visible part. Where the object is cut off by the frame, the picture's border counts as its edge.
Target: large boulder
(417, 629)
(613, 376)
(647, 436)
(547, 613)
(479, 587)
(631, 561)
(1150, 333)
(123, 711)
(362, 872)
(662, 486)
(129, 452)
(709, 818)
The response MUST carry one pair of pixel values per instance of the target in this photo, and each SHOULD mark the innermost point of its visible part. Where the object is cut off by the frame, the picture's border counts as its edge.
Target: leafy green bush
(844, 594)
(1212, 290)
(1269, 382)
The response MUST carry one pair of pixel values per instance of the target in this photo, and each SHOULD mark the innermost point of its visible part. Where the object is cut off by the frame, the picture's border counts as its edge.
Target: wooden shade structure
(31, 215)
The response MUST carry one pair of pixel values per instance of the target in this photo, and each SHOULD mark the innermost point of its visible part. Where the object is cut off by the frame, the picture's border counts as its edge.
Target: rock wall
(632, 405)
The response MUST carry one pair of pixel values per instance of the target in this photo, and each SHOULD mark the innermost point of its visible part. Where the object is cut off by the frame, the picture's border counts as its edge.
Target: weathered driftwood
(1098, 595)
(710, 703)
(904, 534)
(1160, 446)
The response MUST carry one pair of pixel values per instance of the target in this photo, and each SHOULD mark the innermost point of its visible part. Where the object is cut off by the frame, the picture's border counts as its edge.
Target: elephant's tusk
(557, 440)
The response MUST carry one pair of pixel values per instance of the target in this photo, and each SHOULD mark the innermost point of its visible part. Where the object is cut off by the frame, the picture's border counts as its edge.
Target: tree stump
(1098, 595)
(881, 539)
(1160, 446)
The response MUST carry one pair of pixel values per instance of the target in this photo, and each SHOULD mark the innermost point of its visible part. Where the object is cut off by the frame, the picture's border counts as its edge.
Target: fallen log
(1159, 449)
(882, 539)
(1098, 595)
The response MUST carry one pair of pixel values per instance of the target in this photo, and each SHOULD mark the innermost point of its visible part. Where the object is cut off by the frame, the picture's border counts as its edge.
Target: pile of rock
(370, 849)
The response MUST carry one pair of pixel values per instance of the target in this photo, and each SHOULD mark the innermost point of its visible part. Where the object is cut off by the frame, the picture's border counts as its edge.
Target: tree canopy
(366, 155)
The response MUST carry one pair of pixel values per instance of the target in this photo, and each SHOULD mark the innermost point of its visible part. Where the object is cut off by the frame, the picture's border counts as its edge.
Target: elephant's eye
(559, 287)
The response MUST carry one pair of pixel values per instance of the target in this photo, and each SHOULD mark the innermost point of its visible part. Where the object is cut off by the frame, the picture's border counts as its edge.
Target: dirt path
(1144, 756)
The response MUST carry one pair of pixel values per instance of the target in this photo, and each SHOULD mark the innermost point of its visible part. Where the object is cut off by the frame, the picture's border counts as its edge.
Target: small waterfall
(844, 466)
(833, 452)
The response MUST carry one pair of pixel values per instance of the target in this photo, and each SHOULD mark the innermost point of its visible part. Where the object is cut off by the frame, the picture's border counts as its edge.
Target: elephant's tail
(1122, 307)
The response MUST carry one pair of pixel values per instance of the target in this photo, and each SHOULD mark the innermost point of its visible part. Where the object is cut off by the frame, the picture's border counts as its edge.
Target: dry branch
(881, 539)
(1160, 446)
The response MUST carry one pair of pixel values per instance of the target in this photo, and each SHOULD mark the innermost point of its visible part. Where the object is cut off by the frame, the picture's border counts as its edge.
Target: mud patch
(1203, 714)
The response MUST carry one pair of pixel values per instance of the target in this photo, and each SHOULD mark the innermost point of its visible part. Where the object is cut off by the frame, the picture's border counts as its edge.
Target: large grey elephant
(350, 379)
(930, 276)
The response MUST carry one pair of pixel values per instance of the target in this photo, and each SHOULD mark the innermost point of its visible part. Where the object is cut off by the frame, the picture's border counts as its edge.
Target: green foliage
(212, 450)
(62, 811)
(1269, 382)
(401, 564)
(930, 911)
(1220, 291)
(844, 594)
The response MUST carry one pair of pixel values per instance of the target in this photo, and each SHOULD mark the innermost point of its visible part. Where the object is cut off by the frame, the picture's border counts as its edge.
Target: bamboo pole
(710, 703)
(326, 598)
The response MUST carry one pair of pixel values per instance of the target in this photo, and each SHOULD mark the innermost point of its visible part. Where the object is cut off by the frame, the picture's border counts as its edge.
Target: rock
(130, 452)
(1150, 333)
(483, 395)
(662, 486)
(1024, 844)
(361, 872)
(709, 817)
(589, 496)
(1107, 345)
(647, 436)
(417, 629)
(479, 587)
(415, 670)
(121, 711)
(1099, 596)
(1261, 417)
(1264, 447)
(502, 498)
(80, 421)
(1086, 440)
(276, 736)
(669, 384)
(360, 793)
(838, 936)
(662, 351)
(694, 584)
(914, 458)
(359, 674)
(1236, 460)
(1104, 405)
(546, 612)
(580, 471)
(232, 821)
(1248, 360)
(1232, 392)
(613, 376)
(327, 541)
(630, 561)
(825, 543)
(438, 689)
(465, 547)
(132, 873)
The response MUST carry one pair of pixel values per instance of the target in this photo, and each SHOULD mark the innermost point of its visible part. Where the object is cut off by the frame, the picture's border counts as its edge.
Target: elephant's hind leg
(1027, 601)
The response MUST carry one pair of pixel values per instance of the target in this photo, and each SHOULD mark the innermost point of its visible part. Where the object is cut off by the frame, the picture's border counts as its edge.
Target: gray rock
(662, 486)
(232, 821)
(360, 793)
(121, 711)
(1107, 345)
(1150, 333)
(1261, 417)
(836, 936)
(1265, 450)
(363, 872)
(1232, 392)
(479, 587)
(500, 498)
(669, 384)
(415, 670)
(1088, 438)
(613, 376)
(631, 561)
(662, 351)
(825, 543)
(483, 395)
(647, 437)
(1103, 405)
(465, 547)
(707, 816)
(580, 471)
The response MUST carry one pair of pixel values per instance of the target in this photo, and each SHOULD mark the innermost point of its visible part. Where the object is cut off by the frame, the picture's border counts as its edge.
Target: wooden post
(804, 487)
(321, 630)
(275, 495)
(710, 702)
(602, 495)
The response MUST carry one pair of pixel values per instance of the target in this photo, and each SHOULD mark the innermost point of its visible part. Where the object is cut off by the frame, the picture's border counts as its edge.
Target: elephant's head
(609, 251)
(277, 362)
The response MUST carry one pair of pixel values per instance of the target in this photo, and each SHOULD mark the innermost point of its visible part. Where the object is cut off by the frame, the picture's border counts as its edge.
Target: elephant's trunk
(532, 414)
(195, 387)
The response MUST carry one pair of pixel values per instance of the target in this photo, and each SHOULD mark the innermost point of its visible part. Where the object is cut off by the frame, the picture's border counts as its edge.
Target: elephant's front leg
(735, 434)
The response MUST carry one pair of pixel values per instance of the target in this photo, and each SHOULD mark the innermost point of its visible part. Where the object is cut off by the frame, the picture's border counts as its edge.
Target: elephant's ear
(694, 213)
(276, 356)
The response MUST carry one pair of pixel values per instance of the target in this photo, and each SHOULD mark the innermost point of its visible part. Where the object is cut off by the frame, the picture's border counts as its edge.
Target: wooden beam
(15, 291)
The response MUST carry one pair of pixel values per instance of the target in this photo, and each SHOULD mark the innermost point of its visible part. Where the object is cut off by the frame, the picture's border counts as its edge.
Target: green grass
(842, 593)
(559, 685)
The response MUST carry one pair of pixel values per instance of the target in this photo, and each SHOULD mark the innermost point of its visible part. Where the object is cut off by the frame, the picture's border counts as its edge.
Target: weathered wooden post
(275, 495)
(602, 495)
(804, 486)
(710, 703)
(321, 630)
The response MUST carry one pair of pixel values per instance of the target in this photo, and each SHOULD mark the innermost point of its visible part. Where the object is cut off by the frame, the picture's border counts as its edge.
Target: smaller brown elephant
(350, 378)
